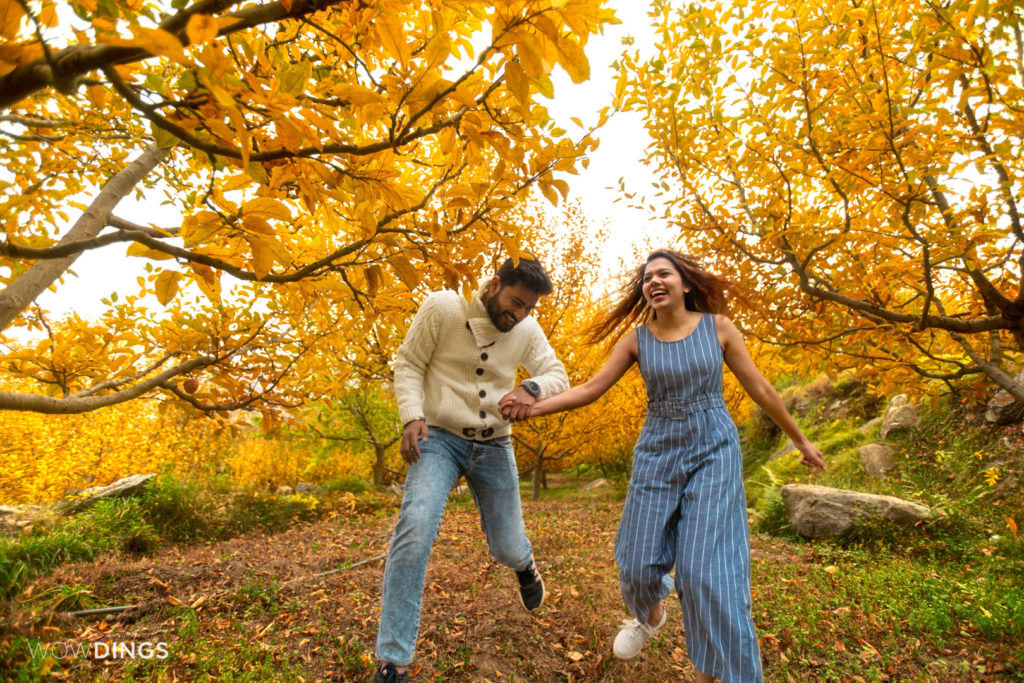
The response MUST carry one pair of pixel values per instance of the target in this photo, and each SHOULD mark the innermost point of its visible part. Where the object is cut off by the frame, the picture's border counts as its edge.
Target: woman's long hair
(707, 295)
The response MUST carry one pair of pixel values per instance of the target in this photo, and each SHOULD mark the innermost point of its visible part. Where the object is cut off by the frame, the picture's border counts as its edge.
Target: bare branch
(67, 406)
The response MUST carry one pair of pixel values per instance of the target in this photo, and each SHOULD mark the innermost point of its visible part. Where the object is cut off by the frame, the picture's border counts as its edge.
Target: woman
(686, 507)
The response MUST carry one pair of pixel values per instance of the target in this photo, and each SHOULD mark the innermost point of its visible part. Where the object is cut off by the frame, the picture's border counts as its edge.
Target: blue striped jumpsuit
(686, 507)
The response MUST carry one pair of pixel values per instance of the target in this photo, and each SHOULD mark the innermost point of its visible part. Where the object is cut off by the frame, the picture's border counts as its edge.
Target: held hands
(812, 456)
(410, 444)
(516, 404)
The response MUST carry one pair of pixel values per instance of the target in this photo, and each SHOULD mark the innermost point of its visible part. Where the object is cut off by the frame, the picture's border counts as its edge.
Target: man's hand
(516, 404)
(410, 446)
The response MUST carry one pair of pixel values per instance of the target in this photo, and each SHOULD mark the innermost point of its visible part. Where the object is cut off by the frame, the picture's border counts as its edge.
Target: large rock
(876, 459)
(15, 518)
(122, 488)
(821, 512)
(596, 484)
(1003, 408)
(870, 424)
(900, 416)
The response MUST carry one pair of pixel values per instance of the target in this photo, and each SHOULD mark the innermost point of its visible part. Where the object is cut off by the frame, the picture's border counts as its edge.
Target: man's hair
(529, 272)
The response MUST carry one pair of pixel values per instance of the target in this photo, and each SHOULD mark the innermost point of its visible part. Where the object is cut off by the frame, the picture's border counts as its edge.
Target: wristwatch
(532, 388)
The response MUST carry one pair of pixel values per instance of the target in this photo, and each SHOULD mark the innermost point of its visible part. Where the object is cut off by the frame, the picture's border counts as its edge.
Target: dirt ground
(252, 608)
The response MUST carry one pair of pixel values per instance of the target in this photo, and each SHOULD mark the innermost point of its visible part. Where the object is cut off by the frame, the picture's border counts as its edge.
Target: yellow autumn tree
(317, 151)
(42, 457)
(857, 167)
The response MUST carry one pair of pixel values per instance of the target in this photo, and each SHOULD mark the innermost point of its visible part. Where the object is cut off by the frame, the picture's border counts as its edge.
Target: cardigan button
(469, 432)
(487, 432)
(483, 356)
(479, 371)
(482, 393)
(483, 414)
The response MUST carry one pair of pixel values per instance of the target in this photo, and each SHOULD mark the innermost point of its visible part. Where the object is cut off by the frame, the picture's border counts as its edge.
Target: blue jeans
(490, 471)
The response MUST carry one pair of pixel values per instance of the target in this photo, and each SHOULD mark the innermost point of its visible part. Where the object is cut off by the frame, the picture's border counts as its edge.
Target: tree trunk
(538, 477)
(378, 464)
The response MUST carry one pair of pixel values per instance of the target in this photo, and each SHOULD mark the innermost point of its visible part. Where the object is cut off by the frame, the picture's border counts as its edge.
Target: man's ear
(493, 286)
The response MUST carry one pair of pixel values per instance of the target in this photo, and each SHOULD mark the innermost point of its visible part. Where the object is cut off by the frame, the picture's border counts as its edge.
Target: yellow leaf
(831, 569)
(48, 14)
(573, 60)
(160, 42)
(356, 95)
(531, 56)
(201, 29)
(518, 82)
(10, 18)
(267, 207)
(97, 95)
(549, 192)
(1012, 524)
(208, 280)
(288, 134)
(374, 276)
(138, 249)
(389, 30)
(409, 276)
(438, 50)
(262, 255)
(16, 54)
(166, 286)
(257, 224)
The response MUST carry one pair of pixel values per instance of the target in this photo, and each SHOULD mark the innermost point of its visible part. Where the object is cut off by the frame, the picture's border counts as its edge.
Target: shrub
(178, 509)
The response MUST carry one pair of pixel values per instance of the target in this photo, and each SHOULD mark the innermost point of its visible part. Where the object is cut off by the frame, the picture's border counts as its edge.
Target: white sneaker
(633, 635)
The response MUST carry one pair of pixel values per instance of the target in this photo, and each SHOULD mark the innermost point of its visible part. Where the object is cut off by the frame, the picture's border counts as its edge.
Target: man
(454, 378)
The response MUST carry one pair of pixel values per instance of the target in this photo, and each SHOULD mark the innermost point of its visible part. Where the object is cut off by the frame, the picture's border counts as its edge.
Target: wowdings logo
(104, 650)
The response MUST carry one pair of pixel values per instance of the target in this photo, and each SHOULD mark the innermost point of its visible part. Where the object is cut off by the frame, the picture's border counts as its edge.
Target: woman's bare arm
(753, 382)
(619, 361)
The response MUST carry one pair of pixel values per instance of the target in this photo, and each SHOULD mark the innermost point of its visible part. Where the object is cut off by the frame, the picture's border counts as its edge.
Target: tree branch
(23, 291)
(67, 406)
(149, 111)
(70, 64)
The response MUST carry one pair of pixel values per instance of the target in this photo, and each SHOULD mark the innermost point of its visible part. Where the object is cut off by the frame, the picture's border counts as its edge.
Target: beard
(503, 320)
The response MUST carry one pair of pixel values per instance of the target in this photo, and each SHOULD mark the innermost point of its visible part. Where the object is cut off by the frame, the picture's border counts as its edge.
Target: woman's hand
(812, 456)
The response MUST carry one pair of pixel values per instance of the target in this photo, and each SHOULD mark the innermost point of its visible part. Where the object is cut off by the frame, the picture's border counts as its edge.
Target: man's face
(506, 306)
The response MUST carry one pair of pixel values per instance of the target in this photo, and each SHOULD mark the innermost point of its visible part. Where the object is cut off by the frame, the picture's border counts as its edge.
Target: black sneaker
(388, 674)
(531, 588)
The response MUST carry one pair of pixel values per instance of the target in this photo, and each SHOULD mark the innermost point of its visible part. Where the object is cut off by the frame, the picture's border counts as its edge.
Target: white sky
(104, 271)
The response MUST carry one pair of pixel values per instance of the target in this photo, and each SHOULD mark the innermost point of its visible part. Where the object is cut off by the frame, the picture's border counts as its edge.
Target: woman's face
(663, 286)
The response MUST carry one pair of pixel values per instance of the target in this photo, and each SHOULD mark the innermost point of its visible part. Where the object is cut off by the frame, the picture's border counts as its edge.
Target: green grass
(227, 655)
(170, 509)
(957, 576)
(845, 595)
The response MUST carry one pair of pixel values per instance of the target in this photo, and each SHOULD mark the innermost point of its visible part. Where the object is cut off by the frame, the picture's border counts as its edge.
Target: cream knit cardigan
(454, 366)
